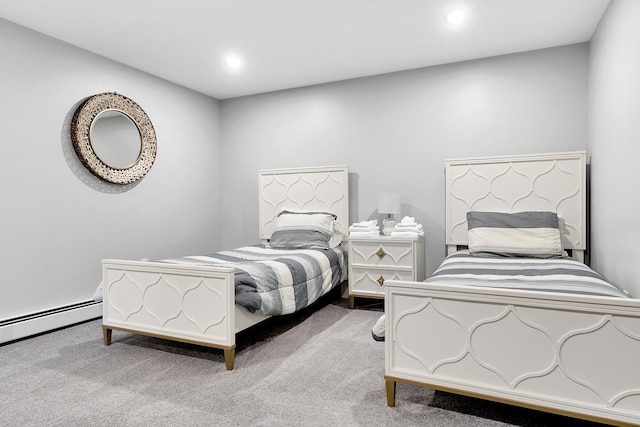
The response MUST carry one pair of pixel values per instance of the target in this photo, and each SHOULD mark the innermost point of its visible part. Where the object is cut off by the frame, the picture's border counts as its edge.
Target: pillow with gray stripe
(302, 230)
(530, 234)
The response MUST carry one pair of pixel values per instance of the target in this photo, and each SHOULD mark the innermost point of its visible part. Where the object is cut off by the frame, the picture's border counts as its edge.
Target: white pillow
(531, 234)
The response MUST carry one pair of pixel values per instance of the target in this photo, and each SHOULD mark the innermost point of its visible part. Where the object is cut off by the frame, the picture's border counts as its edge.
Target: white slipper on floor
(378, 329)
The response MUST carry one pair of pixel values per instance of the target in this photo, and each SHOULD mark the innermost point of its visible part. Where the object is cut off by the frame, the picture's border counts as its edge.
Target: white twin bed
(193, 299)
(563, 352)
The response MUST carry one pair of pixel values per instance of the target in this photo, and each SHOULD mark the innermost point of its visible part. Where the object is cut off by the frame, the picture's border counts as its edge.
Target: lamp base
(387, 226)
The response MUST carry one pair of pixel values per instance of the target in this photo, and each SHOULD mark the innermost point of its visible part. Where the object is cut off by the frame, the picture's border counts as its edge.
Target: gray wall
(395, 131)
(614, 144)
(57, 221)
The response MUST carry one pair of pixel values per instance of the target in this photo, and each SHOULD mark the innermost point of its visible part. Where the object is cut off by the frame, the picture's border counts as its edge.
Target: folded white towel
(367, 223)
(370, 225)
(358, 228)
(408, 228)
(368, 234)
(401, 225)
(406, 234)
(408, 220)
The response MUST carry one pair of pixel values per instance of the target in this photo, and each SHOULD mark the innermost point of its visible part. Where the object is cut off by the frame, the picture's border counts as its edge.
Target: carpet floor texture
(319, 367)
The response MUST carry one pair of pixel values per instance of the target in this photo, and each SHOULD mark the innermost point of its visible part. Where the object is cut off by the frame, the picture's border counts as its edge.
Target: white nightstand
(374, 260)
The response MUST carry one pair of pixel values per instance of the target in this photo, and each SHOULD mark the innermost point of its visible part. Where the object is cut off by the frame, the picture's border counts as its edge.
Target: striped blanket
(554, 275)
(277, 281)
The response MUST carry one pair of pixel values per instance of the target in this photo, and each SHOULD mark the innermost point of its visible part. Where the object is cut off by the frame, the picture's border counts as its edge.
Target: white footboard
(572, 355)
(184, 303)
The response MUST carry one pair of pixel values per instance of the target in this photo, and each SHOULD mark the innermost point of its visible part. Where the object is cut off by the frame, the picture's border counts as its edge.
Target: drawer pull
(381, 253)
(380, 281)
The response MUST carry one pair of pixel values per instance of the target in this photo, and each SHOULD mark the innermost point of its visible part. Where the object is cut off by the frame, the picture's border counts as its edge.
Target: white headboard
(544, 182)
(303, 189)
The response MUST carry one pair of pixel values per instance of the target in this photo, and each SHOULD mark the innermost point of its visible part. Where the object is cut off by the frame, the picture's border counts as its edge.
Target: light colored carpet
(316, 368)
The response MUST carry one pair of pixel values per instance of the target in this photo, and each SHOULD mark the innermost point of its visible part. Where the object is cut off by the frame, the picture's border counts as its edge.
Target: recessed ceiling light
(455, 16)
(233, 61)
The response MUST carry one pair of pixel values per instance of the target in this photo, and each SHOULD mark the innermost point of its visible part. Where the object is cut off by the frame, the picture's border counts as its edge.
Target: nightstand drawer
(367, 280)
(389, 254)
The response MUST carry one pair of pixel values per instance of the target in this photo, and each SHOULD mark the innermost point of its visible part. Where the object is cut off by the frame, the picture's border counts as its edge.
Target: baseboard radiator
(48, 320)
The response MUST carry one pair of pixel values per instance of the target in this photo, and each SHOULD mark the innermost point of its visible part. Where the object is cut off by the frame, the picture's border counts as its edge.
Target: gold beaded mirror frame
(81, 125)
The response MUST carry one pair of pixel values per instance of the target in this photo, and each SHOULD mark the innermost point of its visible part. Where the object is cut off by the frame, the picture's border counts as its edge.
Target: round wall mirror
(114, 138)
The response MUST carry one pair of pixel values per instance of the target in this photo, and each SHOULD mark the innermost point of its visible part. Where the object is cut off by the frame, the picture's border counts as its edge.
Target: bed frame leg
(106, 333)
(352, 302)
(391, 393)
(229, 356)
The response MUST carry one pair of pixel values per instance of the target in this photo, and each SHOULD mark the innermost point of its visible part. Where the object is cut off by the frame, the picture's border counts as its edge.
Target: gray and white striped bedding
(554, 275)
(277, 281)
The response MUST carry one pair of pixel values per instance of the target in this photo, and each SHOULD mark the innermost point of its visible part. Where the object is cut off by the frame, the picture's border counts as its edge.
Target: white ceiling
(293, 43)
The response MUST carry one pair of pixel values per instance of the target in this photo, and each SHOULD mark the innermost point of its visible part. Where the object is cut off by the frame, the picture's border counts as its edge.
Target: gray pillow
(302, 230)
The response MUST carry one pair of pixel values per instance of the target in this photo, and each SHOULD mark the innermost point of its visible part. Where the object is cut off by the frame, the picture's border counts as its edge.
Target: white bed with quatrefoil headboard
(196, 299)
(546, 182)
(568, 353)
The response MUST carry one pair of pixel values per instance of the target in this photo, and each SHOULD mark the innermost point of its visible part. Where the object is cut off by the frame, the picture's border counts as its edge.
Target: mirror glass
(115, 139)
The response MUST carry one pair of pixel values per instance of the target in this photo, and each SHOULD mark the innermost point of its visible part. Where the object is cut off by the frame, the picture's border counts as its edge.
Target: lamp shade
(389, 203)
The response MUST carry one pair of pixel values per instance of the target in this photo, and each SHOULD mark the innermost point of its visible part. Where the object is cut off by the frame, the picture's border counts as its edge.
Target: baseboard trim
(48, 320)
